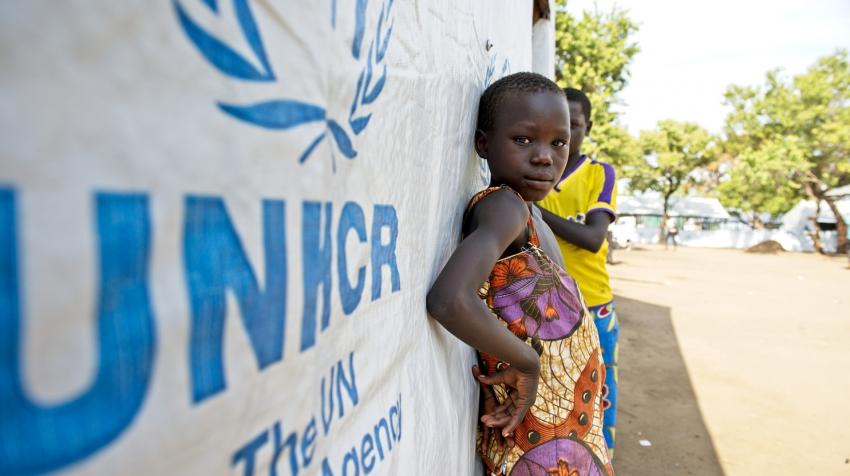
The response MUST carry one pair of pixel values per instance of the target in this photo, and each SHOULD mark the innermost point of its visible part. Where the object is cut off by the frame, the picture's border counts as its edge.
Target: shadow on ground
(656, 400)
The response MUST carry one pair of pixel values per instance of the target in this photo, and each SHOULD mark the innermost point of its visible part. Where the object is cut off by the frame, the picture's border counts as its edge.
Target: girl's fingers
(498, 415)
(513, 422)
(510, 413)
(495, 378)
(488, 390)
(522, 403)
(508, 408)
(496, 421)
(505, 407)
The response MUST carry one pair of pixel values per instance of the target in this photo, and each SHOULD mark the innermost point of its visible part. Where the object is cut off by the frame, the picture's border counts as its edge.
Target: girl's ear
(481, 143)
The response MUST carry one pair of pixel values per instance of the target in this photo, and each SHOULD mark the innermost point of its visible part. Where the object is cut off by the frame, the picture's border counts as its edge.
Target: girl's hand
(490, 404)
(521, 396)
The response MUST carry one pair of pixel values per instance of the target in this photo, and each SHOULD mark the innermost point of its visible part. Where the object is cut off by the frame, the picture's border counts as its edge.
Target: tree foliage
(673, 154)
(593, 54)
(761, 181)
(790, 137)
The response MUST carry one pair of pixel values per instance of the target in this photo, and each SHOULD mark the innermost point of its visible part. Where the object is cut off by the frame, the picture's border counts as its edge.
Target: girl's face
(528, 147)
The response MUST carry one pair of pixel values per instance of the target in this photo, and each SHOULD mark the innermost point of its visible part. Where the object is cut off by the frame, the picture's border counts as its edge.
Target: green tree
(791, 138)
(593, 54)
(673, 155)
(752, 186)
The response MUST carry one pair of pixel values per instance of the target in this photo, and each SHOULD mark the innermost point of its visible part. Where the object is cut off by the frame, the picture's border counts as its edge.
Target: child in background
(504, 292)
(671, 230)
(579, 210)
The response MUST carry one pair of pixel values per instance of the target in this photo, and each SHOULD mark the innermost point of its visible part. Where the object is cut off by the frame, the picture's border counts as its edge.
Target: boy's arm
(588, 235)
(591, 234)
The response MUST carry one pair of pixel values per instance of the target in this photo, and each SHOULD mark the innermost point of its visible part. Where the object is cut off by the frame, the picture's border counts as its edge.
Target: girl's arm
(453, 298)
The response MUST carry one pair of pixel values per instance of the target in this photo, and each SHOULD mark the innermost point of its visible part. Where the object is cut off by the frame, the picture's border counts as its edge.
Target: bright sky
(692, 50)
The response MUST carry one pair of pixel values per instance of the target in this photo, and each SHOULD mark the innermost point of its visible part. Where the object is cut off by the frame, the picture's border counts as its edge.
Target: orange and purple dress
(540, 303)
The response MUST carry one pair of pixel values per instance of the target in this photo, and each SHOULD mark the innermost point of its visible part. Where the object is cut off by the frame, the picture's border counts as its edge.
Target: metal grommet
(594, 375)
(585, 396)
(533, 437)
(582, 419)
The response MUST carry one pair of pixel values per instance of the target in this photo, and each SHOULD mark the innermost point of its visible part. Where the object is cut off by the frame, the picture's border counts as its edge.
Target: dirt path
(732, 363)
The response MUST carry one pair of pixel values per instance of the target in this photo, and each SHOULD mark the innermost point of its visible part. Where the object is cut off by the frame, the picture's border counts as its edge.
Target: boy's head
(580, 123)
(523, 131)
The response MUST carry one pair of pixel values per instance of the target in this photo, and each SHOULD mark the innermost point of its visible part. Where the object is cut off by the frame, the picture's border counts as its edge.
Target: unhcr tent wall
(219, 222)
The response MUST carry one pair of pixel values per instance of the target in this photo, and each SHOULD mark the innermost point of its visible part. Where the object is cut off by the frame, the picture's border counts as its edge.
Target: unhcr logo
(281, 113)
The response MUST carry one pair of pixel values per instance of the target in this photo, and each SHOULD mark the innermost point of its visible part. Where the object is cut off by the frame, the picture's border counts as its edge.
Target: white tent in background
(639, 216)
(800, 217)
(653, 205)
(798, 220)
(635, 226)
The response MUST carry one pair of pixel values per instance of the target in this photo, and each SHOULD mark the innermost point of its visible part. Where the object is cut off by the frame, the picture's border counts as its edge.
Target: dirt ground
(732, 363)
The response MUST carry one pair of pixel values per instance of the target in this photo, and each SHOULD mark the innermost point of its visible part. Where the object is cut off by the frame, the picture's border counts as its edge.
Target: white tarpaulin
(652, 204)
(218, 223)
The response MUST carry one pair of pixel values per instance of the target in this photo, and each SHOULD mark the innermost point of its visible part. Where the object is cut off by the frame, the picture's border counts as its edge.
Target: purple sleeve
(608, 183)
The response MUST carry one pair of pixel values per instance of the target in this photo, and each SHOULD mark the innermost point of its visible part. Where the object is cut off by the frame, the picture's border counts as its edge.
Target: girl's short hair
(517, 83)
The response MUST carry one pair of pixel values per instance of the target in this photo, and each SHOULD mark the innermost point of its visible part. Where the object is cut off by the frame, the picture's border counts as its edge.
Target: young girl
(541, 367)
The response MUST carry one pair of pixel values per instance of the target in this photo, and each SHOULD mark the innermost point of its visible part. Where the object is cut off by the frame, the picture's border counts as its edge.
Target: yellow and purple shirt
(587, 187)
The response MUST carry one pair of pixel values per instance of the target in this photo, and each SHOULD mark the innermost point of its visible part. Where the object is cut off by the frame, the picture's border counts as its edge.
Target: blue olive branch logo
(281, 113)
(489, 77)
(491, 69)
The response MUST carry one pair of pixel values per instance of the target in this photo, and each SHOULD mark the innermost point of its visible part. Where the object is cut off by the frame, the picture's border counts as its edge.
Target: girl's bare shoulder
(502, 209)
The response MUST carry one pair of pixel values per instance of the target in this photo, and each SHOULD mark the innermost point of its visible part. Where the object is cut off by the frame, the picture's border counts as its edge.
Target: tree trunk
(840, 226)
(814, 234)
(662, 230)
(813, 191)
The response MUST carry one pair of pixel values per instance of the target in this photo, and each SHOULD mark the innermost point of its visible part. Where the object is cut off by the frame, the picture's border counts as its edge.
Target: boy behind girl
(578, 210)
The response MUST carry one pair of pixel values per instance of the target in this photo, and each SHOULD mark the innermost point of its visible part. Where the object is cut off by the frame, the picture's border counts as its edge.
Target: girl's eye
(522, 140)
(560, 143)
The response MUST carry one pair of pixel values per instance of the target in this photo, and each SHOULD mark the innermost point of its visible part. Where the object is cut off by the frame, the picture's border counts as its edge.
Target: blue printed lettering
(367, 459)
(215, 262)
(326, 468)
(279, 445)
(248, 453)
(308, 442)
(35, 438)
(343, 381)
(384, 254)
(352, 219)
(382, 423)
(351, 457)
(395, 423)
(317, 269)
(327, 402)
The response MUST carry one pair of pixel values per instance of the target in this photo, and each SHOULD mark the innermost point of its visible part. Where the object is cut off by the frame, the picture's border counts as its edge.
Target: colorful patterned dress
(562, 432)
(590, 186)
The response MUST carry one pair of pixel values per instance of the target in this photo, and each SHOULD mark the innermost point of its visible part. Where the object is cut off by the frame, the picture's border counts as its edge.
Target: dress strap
(532, 235)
